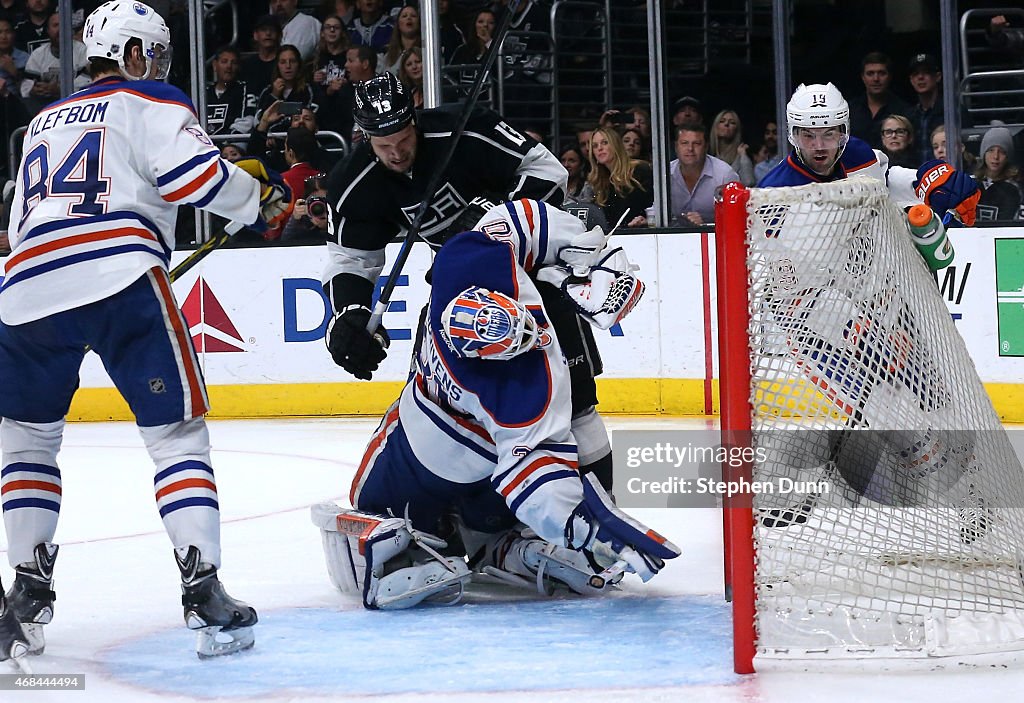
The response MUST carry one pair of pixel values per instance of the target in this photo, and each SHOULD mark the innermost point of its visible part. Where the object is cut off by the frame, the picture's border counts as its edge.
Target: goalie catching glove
(942, 188)
(351, 346)
(599, 282)
(598, 526)
(276, 202)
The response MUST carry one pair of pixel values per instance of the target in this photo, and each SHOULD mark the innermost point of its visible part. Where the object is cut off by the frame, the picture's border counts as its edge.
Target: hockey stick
(413, 233)
(215, 242)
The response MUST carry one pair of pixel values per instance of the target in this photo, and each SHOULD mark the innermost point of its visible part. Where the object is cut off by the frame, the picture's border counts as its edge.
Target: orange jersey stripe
(377, 440)
(195, 385)
(27, 485)
(78, 239)
(203, 179)
(184, 484)
(539, 464)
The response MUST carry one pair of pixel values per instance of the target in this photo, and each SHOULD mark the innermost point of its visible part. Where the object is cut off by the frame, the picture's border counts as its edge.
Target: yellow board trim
(632, 396)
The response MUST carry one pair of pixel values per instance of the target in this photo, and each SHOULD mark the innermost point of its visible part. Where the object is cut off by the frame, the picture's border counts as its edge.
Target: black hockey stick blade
(413, 233)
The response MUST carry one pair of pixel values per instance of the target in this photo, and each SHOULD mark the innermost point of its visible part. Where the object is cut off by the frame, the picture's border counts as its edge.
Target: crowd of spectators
(289, 78)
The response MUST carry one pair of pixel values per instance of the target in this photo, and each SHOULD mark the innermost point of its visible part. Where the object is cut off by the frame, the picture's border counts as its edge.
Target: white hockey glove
(606, 293)
(598, 526)
(391, 564)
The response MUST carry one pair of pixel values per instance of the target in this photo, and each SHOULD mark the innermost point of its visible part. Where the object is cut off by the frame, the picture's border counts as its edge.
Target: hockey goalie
(474, 469)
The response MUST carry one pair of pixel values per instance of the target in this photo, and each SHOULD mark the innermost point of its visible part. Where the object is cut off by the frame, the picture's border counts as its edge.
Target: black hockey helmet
(382, 105)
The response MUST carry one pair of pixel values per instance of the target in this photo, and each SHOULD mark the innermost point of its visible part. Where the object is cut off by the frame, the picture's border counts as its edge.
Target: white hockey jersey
(508, 422)
(96, 195)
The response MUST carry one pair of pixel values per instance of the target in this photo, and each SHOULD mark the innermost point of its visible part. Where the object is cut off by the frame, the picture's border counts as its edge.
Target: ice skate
(974, 515)
(224, 625)
(13, 643)
(31, 595)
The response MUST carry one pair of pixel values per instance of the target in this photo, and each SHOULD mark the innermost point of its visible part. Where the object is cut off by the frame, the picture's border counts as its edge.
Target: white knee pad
(591, 436)
(31, 442)
(390, 564)
(178, 441)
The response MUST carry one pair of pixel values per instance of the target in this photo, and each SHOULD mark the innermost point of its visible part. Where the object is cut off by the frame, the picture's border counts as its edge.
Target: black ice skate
(13, 643)
(31, 596)
(224, 625)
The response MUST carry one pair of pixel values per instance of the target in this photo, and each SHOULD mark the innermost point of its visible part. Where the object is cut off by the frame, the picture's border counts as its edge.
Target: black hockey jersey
(373, 205)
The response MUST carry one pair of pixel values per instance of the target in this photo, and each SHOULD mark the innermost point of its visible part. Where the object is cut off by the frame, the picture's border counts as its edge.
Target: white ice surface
(118, 618)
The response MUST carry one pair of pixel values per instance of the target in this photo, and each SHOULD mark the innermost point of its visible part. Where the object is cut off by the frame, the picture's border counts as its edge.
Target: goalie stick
(413, 233)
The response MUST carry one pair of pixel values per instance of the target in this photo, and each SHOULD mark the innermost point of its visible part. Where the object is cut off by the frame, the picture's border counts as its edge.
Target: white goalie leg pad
(390, 564)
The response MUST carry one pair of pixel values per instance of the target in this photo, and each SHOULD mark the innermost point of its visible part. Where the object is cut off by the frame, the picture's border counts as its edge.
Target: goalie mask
(823, 109)
(479, 323)
(113, 24)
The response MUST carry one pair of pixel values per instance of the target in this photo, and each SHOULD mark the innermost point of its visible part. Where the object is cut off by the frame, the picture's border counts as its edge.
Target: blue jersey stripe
(56, 264)
(31, 468)
(212, 193)
(523, 244)
(534, 485)
(16, 503)
(178, 171)
(448, 430)
(564, 448)
(543, 239)
(190, 465)
(196, 502)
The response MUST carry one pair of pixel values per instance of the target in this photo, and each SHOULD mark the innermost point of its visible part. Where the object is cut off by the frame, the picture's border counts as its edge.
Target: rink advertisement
(257, 318)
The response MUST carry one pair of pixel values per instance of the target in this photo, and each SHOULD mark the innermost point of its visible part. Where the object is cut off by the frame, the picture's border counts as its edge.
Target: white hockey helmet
(113, 24)
(818, 105)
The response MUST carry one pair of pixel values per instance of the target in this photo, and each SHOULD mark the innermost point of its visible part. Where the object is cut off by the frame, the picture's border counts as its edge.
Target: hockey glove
(606, 293)
(942, 188)
(351, 346)
(599, 527)
(276, 202)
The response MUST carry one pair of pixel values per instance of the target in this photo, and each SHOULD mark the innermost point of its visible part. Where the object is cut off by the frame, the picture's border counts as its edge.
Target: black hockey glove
(352, 347)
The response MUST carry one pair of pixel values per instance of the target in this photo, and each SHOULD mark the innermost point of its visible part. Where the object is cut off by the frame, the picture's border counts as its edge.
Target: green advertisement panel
(1010, 295)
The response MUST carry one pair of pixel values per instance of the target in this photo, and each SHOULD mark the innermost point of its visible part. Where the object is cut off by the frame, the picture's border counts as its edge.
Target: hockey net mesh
(896, 527)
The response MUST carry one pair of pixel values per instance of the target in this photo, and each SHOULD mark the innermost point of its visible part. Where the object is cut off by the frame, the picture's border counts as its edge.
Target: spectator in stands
(728, 145)
(452, 36)
(230, 107)
(687, 110)
(1002, 36)
(12, 60)
(258, 70)
(329, 58)
(575, 163)
(478, 40)
(768, 155)
(410, 72)
(232, 152)
(31, 33)
(13, 11)
(938, 142)
(297, 28)
(633, 141)
(1002, 196)
(927, 112)
(288, 84)
(641, 122)
(583, 134)
(372, 26)
(694, 176)
(308, 223)
(42, 70)
(898, 141)
(621, 185)
(360, 65)
(867, 111)
(300, 153)
(345, 10)
(406, 36)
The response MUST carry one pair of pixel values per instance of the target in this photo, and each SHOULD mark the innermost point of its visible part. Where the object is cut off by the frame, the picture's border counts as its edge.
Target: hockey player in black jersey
(375, 193)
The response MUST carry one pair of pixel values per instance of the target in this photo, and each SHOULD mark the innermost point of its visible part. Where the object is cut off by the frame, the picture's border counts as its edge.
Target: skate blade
(18, 661)
(34, 637)
(214, 642)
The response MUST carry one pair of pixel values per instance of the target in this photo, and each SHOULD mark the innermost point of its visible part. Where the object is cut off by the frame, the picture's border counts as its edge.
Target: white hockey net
(897, 528)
